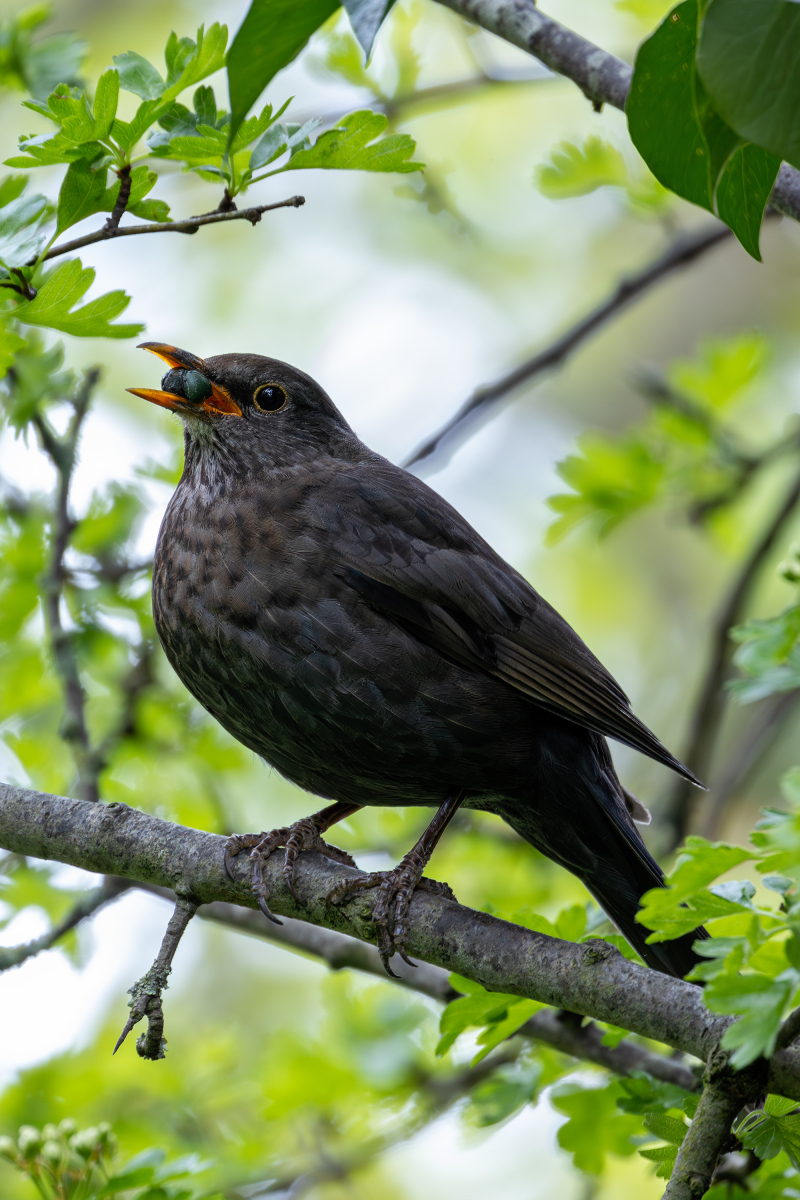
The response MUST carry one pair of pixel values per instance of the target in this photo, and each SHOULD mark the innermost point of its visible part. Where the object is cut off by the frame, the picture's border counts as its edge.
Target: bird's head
(243, 399)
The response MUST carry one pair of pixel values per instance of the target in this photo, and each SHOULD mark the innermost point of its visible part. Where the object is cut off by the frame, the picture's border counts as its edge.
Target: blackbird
(345, 623)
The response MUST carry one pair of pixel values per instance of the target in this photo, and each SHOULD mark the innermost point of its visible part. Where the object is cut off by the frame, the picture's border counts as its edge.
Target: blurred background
(401, 295)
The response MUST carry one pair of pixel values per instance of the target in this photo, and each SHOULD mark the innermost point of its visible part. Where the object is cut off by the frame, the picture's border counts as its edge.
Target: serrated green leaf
(595, 1127)
(128, 133)
(352, 146)
(187, 63)
(772, 1131)
(47, 151)
(578, 170)
(498, 1030)
(20, 239)
(272, 34)
(759, 1002)
(610, 481)
(669, 1129)
(54, 308)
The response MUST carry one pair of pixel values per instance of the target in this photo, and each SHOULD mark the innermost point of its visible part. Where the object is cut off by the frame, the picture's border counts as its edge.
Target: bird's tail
(586, 825)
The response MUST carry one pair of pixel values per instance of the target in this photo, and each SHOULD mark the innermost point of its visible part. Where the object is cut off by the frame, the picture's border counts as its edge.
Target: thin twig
(121, 203)
(145, 994)
(89, 904)
(62, 452)
(602, 77)
(709, 711)
(190, 225)
(339, 951)
(744, 757)
(683, 251)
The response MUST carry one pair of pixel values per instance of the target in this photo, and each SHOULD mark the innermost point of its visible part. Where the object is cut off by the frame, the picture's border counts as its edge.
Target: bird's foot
(302, 835)
(391, 908)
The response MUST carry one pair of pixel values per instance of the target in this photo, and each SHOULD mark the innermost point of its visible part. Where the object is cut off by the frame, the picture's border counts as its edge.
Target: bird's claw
(302, 835)
(396, 888)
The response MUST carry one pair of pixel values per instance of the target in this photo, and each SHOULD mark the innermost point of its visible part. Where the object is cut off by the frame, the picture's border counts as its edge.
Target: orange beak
(220, 401)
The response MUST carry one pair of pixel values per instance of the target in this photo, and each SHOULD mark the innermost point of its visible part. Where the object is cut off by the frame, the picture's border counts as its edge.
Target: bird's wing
(410, 555)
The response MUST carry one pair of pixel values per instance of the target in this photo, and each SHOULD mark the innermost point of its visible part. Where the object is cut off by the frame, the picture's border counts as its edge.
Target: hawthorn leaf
(352, 146)
(54, 305)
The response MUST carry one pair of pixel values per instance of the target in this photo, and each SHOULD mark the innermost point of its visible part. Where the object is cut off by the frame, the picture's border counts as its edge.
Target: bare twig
(62, 452)
(684, 250)
(145, 995)
(602, 77)
(89, 904)
(746, 754)
(724, 1093)
(709, 711)
(190, 225)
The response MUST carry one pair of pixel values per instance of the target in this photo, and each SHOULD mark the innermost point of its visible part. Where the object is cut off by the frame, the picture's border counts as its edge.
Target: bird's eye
(190, 385)
(270, 397)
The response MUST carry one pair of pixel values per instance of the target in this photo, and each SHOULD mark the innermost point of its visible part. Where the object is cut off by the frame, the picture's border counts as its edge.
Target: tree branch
(684, 250)
(592, 979)
(87, 906)
(712, 701)
(724, 1094)
(190, 225)
(62, 452)
(602, 77)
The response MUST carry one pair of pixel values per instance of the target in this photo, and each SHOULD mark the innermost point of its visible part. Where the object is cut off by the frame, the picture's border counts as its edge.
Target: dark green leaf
(81, 194)
(366, 18)
(684, 141)
(272, 34)
(759, 1002)
(749, 59)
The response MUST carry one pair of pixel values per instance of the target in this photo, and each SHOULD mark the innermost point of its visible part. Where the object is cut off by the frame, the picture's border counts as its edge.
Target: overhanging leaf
(749, 60)
(366, 18)
(272, 34)
(685, 142)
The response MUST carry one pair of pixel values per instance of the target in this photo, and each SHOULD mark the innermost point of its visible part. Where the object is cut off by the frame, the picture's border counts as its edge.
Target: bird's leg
(398, 886)
(302, 835)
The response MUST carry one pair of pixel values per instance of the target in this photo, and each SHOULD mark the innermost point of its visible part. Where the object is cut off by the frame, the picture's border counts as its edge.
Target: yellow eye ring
(276, 395)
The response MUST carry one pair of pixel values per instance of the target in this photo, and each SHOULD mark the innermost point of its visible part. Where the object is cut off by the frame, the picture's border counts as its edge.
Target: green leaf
(669, 1129)
(47, 151)
(663, 1155)
(610, 481)
(595, 1127)
(104, 109)
(772, 1131)
(577, 170)
(749, 60)
(352, 146)
(81, 194)
(366, 18)
(128, 133)
(53, 307)
(759, 1001)
(272, 34)
(187, 63)
(768, 655)
(477, 1007)
(685, 142)
(20, 239)
(687, 901)
(139, 76)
